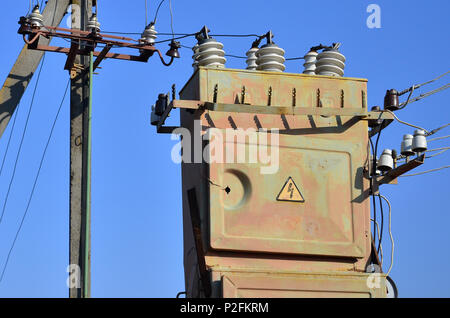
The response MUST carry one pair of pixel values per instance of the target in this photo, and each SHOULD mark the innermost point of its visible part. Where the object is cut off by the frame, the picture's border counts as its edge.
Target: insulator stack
(310, 63)
(194, 57)
(251, 58)
(270, 57)
(330, 62)
(93, 24)
(36, 19)
(148, 37)
(210, 53)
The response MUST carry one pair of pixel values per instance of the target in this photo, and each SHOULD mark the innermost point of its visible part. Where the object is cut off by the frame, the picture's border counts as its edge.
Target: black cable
(372, 175)
(235, 35)
(295, 58)
(21, 141)
(157, 10)
(9, 139)
(176, 38)
(374, 170)
(381, 225)
(236, 56)
(35, 182)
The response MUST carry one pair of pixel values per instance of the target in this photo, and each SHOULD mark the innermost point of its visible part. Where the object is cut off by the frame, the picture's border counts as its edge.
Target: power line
(422, 84)
(437, 129)
(421, 96)
(9, 139)
(146, 13)
(21, 141)
(423, 172)
(390, 232)
(438, 138)
(35, 182)
(157, 10)
(404, 122)
(171, 18)
(437, 154)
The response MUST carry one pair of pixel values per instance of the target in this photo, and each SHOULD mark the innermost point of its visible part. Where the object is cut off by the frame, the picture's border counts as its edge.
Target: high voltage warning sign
(290, 192)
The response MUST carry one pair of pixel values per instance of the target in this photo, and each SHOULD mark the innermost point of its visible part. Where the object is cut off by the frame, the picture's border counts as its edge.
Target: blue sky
(136, 188)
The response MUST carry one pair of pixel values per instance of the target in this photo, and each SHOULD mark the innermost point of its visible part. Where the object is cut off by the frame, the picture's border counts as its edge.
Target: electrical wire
(9, 139)
(437, 129)
(421, 96)
(35, 182)
(390, 233)
(437, 154)
(381, 248)
(21, 141)
(437, 149)
(380, 239)
(146, 13)
(404, 122)
(157, 10)
(29, 7)
(372, 174)
(423, 172)
(438, 138)
(422, 84)
(171, 18)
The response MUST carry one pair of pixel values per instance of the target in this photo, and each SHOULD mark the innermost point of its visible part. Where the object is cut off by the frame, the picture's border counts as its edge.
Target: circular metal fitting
(251, 58)
(406, 146)
(270, 57)
(330, 62)
(310, 63)
(36, 19)
(419, 142)
(210, 53)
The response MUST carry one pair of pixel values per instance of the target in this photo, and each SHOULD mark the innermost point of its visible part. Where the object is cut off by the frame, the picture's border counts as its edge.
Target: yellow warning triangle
(290, 192)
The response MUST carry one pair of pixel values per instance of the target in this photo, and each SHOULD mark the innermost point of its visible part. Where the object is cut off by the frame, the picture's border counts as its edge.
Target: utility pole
(80, 158)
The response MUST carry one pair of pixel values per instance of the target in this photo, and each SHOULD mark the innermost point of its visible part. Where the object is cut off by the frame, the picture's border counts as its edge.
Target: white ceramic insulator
(251, 58)
(330, 63)
(310, 63)
(210, 53)
(270, 58)
(149, 35)
(35, 17)
(93, 24)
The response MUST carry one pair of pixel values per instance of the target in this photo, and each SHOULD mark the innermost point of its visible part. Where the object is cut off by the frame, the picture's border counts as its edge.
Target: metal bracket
(394, 173)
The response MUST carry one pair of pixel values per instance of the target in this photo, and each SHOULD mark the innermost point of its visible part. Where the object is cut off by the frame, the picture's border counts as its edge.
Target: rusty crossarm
(277, 110)
(394, 173)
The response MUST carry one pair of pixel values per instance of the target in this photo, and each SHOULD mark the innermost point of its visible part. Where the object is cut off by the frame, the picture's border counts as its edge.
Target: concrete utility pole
(80, 158)
(26, 64)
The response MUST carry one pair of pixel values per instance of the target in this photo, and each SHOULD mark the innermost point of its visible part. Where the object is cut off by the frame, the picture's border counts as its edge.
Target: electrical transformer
(294, 222)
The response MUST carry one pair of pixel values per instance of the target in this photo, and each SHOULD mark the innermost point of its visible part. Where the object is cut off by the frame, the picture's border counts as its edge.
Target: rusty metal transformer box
(299, 230)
